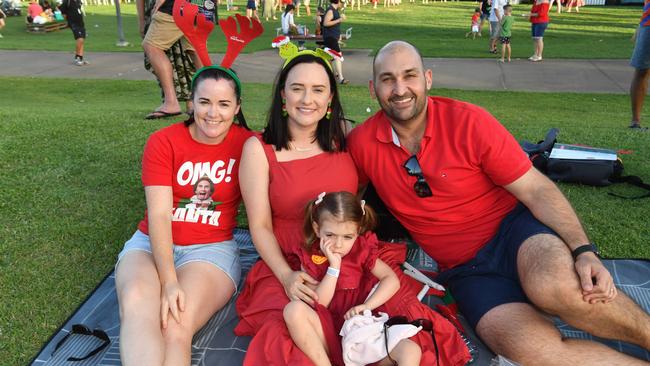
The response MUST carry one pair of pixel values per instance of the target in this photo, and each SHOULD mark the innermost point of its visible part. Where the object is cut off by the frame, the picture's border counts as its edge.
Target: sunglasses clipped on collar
(426, 324)
(84, 330)
(421, 187)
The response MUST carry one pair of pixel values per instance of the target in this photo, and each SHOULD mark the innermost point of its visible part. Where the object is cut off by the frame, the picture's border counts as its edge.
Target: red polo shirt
(466, 156)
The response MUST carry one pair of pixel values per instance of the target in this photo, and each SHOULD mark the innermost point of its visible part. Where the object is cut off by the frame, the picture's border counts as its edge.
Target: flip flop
(161, 114)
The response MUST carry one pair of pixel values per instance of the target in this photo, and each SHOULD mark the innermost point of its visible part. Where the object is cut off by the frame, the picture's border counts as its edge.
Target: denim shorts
(495, 29)
(641, 55)
(224, 255)
(491, 279)
(537, 29)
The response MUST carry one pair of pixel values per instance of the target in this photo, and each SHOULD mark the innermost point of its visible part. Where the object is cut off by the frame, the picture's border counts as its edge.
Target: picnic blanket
(216, 344)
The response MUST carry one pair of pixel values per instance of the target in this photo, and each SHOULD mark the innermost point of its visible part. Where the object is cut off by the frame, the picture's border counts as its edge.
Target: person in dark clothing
(71, 9)
(331, 29)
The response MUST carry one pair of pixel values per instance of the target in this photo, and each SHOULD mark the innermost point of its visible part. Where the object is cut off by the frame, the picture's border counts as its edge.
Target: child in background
(476, 21)
(339, 242)
(318, 20)
(506, 32)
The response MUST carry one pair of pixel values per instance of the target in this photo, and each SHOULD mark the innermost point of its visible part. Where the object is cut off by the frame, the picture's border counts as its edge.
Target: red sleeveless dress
(292, 184)
(261, 303)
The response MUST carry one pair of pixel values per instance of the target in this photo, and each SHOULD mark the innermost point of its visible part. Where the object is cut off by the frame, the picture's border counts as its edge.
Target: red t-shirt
(475, 18)
(645, 17)
(542, 13)
(34, 10)
(466, 156)
(173, 158)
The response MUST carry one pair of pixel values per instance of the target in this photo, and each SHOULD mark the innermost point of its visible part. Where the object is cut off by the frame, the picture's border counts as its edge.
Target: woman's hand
(333, 258)
(299, 285)
(172, 300)
(355, 310)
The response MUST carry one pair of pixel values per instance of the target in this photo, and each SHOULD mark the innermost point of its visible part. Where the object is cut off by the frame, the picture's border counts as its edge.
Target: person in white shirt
(496, 13)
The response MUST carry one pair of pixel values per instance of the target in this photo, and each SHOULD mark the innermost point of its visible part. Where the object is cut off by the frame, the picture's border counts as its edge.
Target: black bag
(577, 164)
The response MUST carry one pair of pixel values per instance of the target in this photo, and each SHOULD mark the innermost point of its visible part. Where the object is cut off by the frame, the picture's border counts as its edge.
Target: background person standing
(72, 11)
(641, 63)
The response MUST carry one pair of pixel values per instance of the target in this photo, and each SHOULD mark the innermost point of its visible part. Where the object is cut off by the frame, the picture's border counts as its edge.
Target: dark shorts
(485, 16)
(537, 29)
(251, 5)
(490, 279)
(504, 40)
(78, 30)
(332, 43)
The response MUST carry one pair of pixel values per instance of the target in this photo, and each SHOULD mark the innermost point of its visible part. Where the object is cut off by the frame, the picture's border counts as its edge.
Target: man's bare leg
(547, 274)
(163, 69)
(523, 334)
(638, 89)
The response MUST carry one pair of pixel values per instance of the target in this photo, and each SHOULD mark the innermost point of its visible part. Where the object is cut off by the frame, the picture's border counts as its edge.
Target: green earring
(328, 115)
(284, 108)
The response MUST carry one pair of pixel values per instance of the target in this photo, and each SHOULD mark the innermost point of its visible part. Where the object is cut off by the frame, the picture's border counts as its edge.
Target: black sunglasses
(421, 187)
(426, 324)
(84, 330)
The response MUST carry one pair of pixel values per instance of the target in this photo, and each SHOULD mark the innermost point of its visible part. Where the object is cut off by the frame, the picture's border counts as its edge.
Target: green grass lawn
(72, 194)
(437, 29)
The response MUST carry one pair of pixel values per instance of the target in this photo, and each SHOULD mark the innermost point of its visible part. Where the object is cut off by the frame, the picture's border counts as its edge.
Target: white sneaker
(535, 58)
(79, 62)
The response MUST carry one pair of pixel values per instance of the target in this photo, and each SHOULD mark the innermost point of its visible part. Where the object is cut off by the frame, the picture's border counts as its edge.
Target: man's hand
(172, 301)
(595, 280)
(299, 285)
(157, 6)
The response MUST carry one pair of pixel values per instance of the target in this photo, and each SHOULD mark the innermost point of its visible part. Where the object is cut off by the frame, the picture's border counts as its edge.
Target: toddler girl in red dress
(341, 252)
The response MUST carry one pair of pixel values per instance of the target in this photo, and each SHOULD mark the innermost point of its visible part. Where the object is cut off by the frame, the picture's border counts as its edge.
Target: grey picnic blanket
(216, 345)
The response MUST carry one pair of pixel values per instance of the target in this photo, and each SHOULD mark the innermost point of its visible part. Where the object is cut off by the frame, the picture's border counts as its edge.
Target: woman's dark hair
(329, 132)
(342, 207)
(216, 74)
(288, 8)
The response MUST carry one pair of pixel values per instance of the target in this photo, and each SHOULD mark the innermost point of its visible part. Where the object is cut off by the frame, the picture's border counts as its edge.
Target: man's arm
(548, 205)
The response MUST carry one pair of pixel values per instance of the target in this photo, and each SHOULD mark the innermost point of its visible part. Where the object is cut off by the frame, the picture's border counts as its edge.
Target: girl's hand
(299, 285)
(172, 299)
(355, 310)
(326, 246)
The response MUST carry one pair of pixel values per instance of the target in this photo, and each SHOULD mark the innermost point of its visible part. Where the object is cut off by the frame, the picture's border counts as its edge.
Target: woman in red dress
(300, 154)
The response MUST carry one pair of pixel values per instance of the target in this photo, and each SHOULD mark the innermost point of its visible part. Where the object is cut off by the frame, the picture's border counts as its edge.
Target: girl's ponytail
(307, 227)
(368, 220)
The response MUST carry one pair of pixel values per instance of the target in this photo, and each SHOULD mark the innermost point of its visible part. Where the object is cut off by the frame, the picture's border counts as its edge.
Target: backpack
(579, 164)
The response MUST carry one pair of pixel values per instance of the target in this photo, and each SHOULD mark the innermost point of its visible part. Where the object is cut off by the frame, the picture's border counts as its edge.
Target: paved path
(598, 76)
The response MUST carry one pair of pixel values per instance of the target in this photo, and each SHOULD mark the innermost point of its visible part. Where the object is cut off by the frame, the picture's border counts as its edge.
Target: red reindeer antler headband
(192, 20)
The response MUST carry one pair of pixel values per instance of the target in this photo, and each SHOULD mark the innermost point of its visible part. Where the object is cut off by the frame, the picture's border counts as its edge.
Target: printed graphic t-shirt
(172, 158)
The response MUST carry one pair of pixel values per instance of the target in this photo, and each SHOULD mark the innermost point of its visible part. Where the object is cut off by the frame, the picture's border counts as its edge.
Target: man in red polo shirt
(508, 243)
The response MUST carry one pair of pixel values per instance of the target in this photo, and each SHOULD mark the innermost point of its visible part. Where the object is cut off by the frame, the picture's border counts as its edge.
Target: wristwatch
(591, 247)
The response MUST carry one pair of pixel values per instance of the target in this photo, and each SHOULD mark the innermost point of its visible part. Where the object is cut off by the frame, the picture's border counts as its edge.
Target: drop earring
(284, 108)
(328, 115)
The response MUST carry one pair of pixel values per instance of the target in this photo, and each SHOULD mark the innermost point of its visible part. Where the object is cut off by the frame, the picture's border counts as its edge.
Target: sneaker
(532, 57)
(344, 82)
(535, 59)
(637, 126)
(80, 62)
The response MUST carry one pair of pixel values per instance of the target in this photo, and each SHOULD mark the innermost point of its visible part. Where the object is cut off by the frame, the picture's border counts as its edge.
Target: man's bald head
(392, 48)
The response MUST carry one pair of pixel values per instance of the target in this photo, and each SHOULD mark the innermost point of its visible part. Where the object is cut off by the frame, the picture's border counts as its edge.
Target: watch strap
(591, 247)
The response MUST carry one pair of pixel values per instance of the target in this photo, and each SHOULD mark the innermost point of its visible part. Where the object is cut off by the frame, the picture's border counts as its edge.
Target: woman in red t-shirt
(539, 19)
(182, 264)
